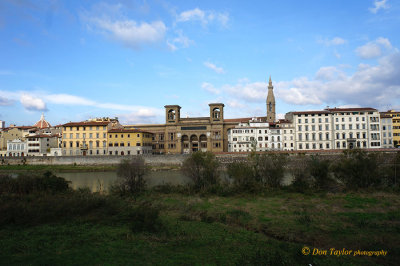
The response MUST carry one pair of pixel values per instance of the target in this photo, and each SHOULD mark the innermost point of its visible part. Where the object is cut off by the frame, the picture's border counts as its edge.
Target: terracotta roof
(42, 123)
(43, 136)
(19, 127)
(311, 112)
(86, 123)
(126, 130)
(351, 109)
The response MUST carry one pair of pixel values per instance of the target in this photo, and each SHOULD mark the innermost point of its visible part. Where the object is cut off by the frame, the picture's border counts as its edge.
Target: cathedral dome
(42, 123)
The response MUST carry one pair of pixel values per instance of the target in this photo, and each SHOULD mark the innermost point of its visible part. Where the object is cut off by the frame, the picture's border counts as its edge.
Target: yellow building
(87, 137)
(396, 126)
(129, 142)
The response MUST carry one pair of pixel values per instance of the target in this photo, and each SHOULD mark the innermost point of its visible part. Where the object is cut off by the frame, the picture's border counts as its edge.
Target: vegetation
(254, 221)
(203, 169)
(131, 174)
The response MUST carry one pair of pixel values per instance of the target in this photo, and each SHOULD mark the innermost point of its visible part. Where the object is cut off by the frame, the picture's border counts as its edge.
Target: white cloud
(132, 34)
(180, 41)
(373, 49)
(109, 20)
(5, 101)
(378, 5)
(333, 42)
(212, 66)
(210, 88)
(375, 86)
(141, 116)
(194, 14)
(68, 99)
(32, 103)
(205, 17)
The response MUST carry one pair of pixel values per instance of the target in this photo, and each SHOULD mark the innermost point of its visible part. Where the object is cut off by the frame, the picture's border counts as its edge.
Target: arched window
(171, 114)
(216, 114)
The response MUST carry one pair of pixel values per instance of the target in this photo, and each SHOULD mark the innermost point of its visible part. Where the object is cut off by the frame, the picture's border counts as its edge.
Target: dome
(42, 123)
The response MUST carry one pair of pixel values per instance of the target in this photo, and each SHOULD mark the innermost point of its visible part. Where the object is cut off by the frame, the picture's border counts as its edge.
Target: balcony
(83, 146)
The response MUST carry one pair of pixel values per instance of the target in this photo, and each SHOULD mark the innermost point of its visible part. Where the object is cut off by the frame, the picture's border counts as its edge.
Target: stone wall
(174, 159)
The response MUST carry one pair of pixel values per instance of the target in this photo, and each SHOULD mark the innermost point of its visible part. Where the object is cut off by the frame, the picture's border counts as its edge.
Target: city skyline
(74, 61)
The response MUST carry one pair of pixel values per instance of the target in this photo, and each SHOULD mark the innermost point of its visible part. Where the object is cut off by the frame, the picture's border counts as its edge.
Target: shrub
(358, 169)
(30, 183)
(270, 169)
(130, 177)
(319, 171)
(145, 219)
(203, 169)
(243, 176)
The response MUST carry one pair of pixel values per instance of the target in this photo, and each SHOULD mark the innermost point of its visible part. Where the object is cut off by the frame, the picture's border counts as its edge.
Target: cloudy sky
(73, 60)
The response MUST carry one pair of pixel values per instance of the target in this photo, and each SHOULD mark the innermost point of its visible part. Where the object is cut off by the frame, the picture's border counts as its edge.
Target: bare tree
(131, 174)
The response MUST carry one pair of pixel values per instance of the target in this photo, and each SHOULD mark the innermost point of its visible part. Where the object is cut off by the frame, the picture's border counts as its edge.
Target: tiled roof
(351, 109)
(43, 136)
(86, 123)
(125, 130)
(311, 112)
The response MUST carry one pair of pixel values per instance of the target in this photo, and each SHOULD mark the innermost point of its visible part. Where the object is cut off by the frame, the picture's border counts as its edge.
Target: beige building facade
(187, 135)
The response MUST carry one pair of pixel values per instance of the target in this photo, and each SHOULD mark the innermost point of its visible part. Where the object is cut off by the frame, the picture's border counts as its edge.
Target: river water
(102, 181)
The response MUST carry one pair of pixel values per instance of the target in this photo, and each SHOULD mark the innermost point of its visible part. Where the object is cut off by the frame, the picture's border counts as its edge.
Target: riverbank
(271, 228)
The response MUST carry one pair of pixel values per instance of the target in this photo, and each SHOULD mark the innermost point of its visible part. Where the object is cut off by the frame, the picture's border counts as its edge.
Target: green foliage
(358, 169)
(37, 209)
(269, 169)
(319, 170)
(145, 218)
(30, 183)
(203, 169)
(243, 177)
(130, 177)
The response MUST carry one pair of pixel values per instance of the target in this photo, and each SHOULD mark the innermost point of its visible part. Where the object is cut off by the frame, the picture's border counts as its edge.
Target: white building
(41, 144)
(256, 135)
(336, 128)
(17, 148)
(287, 135)
(386, 131)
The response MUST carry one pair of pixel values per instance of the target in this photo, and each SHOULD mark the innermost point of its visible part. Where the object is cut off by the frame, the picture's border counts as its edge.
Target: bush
(130, 177)
(358, 169)
(270, 169)
(203, 169)
(320, 172)
(30, 183)
(243, 176)
(145, 219)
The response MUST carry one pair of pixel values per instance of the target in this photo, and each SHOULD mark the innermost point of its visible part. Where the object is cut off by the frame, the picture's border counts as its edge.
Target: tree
(131, 174)
(202, 168)
(358, 169)
(270, 169)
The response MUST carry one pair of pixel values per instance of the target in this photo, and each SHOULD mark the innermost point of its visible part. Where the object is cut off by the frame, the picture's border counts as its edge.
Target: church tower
(270, 103)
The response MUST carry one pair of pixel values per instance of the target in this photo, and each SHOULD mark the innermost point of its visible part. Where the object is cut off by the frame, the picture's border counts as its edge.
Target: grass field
(268, 229)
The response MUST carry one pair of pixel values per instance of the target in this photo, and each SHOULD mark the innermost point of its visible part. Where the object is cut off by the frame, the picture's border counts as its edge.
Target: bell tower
(270, 103)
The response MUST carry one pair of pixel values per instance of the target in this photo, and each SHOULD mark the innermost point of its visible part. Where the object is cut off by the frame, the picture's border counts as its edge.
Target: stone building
(129, 142)
(186, 135)
(336, 128)
(87, 137)
(386, 131)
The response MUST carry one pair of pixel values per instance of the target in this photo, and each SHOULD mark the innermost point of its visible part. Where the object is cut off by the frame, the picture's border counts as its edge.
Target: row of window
(84, 128)
(77, 135)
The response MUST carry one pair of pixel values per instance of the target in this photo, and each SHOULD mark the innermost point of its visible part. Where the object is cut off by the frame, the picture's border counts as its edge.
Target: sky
(75, 60)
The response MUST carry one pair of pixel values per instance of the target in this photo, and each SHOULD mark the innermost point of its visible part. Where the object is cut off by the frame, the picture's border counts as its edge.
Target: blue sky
(73, 60)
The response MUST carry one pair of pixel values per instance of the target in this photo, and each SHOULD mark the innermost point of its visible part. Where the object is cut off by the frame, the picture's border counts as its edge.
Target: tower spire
(270, 102)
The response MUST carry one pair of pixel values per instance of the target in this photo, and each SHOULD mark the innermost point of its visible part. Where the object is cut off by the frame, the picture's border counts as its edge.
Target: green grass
(268, 229)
